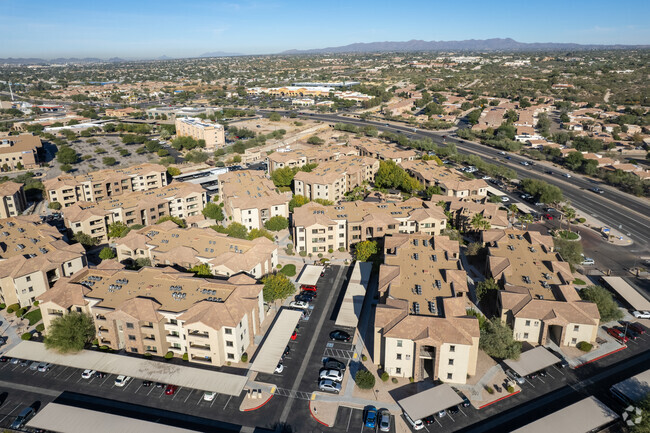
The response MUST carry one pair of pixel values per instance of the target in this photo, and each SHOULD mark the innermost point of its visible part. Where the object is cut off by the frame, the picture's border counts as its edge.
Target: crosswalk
(342, 355)
(292, 394)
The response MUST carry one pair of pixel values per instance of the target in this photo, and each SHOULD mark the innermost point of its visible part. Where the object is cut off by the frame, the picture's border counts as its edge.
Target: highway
(614, 208)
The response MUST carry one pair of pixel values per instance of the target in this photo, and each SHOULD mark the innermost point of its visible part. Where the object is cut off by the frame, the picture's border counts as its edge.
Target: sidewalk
(592, 223)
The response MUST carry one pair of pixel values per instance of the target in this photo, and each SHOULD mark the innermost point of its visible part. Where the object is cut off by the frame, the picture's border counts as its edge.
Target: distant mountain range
(496, 44)
(38, 61)
(221, 54)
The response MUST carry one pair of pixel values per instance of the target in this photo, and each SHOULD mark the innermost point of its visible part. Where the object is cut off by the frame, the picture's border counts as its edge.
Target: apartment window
(231, 356)
(450, 376)
(399, 343)
(28, 279)
(129, 326)
(229, 344)
(451, 362)
(30, 289)
(574, 341)
(134, 350)
(399, 356)
(576, 328)
(525, 334)
(527, 322)
(173, 322)
(132, 337)
(228, 331)
(398, 370)
(69, 264)
(452, 348)
(536, 323)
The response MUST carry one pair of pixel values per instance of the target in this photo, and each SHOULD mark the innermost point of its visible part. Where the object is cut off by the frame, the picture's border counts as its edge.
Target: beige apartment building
(104, 184)
(384, 151)
(168, 244)
(33, 257)
(12, 199)
(213, 134)
(20, 149)
(178, 199)
(463, 210)
(312, 155)
(451, 182)
(317, 228)
(422, 329)
(161, 310)
(251, 199)
(538, 300)
(331, 180)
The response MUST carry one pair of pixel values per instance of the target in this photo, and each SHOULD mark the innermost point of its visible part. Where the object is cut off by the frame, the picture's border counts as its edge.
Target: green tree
(70, 333)
(432, 190)
(109, 160)
(275, 117)
(365, 250)
(283, 176)
(315, 140)
(390, 175)
(571, 251)
(66, 168)
(258, 233)
(297, 201)
(497, 340)
(235, 230)
(364, 379)
(213, 211)
(484, 287)
(569, 215)
(118, 230)
(605, 302)
(277, 286)
(67, 155)
(54, 205)
(202, 270)
(479, 222)
(173, 171)
(574, 160)
(179, 222)
(107, 253)
(85, 240)
(277, 223)
(196, 156)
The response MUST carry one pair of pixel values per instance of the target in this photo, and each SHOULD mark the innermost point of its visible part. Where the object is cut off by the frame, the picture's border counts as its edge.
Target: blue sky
(146, 28)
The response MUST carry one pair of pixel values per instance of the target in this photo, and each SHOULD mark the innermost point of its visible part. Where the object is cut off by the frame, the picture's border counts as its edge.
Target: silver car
(329, 386)
(384, 421)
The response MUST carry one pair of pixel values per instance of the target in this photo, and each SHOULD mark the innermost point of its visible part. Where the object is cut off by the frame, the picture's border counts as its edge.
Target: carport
(70, 419)
(272, 348)
(533, 360)
(309, 275)
(431, 401)
(628, 293)
(355, 293)
(164, 372)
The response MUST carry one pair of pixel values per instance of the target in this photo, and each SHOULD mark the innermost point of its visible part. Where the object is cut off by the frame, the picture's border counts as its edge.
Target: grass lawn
(288, 270)
(579, 282)
(568, 235)
(33, 316)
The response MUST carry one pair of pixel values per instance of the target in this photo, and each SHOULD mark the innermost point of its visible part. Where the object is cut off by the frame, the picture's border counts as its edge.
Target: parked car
(384, 420)
(442, 413)
(299, 304)
(641, 314)
(619, 335)
(633, 326)
(588, 261)
(331, 374)
(23, 418)
(294, 335)
(171, 389)
(121, 380)
(453, 410)
(87, 374)
(33, 365)
(627, 332)
(416, 425)
(429, 419)
(279, 368)
(548, 216)
(15, 361)
(330, 363)
(329, 386)
(209, 395)
(309, 288)
(504, 199)
(4, 358)
(100, 375)
(543, 372)
(515, 376)
(465, 402)
(44, 366)
(147, 383)
(339, 335)
(370, 417)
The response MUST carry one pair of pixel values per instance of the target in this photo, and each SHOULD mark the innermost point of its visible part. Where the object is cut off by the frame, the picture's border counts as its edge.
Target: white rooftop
(629, 293)
(268, 355)
(350, 310)
(532, 360)
(431, 401)
(309, 275)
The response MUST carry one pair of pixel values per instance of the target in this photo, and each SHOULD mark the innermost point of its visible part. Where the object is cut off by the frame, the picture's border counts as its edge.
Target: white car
(588, 261)
(504, 199)
(121, 380)
(209, 395)
(328, 385)
(566, 175)
(279, 368)
(641, 314)
(334, 375)
(417, 424)
(87, 374)
(44, 366)
(299, 304)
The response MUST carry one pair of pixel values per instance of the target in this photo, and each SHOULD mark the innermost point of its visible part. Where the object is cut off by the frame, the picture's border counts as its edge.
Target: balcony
(173, 337)
(200, 347)
(146, 327)
(201, 359)
(177, 350)
(197, 334)
(149, 338)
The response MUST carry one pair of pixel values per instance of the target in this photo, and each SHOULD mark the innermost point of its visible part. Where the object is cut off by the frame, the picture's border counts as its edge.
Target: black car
(147, 383)
(453, 410)
(543, 373)
(548, 171)
(429, 419)
(4, 358)
(597, 190)
(339, 335)
(465, 402)
(630, 333)
(100, 375)
(330, 363)
(286, 352)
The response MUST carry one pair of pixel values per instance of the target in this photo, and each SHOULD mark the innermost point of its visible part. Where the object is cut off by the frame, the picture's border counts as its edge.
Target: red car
(617, 334)
(549, 216)
(171, 389)
(294, 335)
(308, 288)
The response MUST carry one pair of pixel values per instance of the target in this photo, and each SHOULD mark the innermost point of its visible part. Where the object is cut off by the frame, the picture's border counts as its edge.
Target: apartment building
(384, 151)
(451, 182)
(331, 180)
(20, 149)
(168, 244)
(312, 155)
(251, 199)
(213, 134)
(104, 184)
(463, 211)
(178, 199)
(161, 310)
(422, 329)
(317, 228)
(538, 299)
(12, 199)
(33, 256)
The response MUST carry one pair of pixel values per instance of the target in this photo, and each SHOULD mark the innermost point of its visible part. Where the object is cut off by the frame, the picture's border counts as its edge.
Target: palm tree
(569, 214)
(525, 218)
(479, 222)
(513, 209)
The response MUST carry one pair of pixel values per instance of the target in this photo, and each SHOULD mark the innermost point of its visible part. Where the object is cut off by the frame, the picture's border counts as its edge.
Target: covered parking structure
(585, 416)
(309, 275)
(355, 293)
(272, 348)
(532, 360)
(145, 369)
(431, 401)
(627, 293)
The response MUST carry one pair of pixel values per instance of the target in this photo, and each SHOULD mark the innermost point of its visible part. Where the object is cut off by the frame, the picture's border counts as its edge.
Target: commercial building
(168, 244)
(384, 151)
(33, 257)
(213, 134)
(422, 326)
(317, 228)
(302, 157)
(179, 199)
(12, 199)
(539, 301)
(331, 180)
(104, 184)
(251, 199)
(20, 149)
(161, 310)
(451, 182)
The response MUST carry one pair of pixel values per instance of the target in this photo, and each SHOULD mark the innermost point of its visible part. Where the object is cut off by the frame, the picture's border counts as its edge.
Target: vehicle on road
(329, 386)
(502, 153)
(597, 190)
(331, 374)
(515, 376)
(641, 314)
(209, 395)
(548, 216)
(586, 261)
(339, 335)
(370, 417)
(523, 163)
(416, 425)
(23, 417)
(334, 363)
(121, 380)
(299, 304)
(567, 175)
(508, 157)
(384, 421)
(171, 389)
(87, 374)
(619, 335)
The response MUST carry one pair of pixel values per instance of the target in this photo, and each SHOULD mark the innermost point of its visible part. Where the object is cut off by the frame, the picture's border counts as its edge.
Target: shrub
(169, 355)
(330, 251)
(342, 249)
(289, 270)
(411, 380)
(364, 358)
(279, 266)
(3, 306)
(95, 342)
(510, 389)
(384, 376)
(364, 379)
(302, 253)
(320, 255)
(40, 327)
(229, 363)
(21, 312)
(54, 205)
(148, 355)
(12, 308)
(489, 390)
(244, 357)
(26, 336)
(186, 357)
(103, 347)
(394, 380)
(581, 220)
(35, 304)
(584, 346)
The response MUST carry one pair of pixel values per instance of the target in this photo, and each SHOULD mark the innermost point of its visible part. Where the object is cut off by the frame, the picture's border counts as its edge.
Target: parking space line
(152, 388)
(558, 370)
(227, 402)
(552, 377)
(540, 378)
(528, 381)
(214, 399)
(4, 417)
(451, 417)
(176, 393)
(138, 388)
(71, 374)
(462, 411)
(107, 377)
(48, 371)
(127, 384)
(438, 422)
(200, 400)
(188, 396)
(349, 419)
